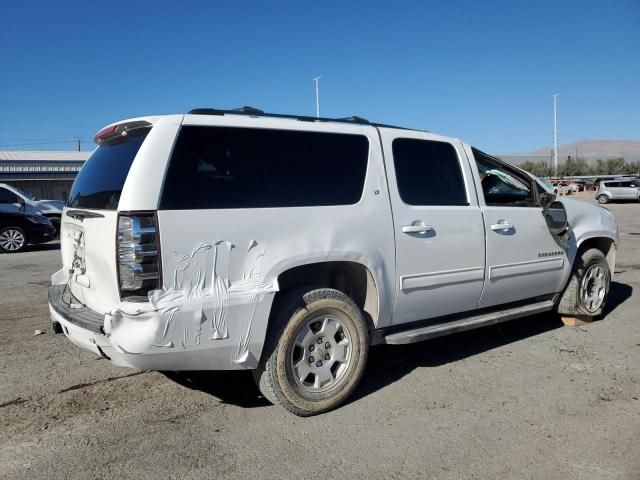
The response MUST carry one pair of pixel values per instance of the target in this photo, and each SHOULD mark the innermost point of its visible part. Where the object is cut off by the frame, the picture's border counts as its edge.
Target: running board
(468, 323)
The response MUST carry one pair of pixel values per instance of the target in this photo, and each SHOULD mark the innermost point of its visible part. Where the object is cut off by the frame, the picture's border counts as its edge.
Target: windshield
(25, 194)
(101, 178)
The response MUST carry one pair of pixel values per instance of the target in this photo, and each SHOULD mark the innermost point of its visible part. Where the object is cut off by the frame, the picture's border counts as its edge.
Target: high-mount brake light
(138, 254)
(106, 132)
(120, 130)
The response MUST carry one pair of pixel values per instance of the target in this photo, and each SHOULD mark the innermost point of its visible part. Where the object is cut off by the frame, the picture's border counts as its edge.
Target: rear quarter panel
(220, 266)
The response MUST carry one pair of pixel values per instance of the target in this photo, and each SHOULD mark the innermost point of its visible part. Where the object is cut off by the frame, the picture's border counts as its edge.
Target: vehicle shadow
(618, 294)
(232, 387)
(43, 247)
(388, 364)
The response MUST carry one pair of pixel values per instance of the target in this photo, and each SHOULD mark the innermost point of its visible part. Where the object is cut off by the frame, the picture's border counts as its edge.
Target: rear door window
(428, 172)
(100, 180)
(231, 167)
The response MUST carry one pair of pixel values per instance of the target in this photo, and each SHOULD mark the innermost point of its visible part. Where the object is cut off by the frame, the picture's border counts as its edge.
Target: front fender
(589, 222)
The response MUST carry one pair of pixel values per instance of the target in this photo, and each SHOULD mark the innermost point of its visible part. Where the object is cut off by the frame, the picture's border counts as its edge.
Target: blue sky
(481, 71)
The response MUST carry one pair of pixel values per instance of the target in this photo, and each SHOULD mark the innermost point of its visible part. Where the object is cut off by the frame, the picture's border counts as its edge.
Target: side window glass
(428, 172)
(500, 185)
(232, 167)
(7, 197)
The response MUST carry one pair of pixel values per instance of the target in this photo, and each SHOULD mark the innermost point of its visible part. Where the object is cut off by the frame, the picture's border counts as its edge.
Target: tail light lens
(138, 254)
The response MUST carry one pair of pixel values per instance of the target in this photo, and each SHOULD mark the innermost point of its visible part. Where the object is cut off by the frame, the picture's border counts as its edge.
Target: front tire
(315, 352)
(12, 240)
(588, 289)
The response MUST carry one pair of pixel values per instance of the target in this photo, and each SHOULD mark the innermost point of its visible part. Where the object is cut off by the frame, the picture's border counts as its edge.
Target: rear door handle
(496, 227)
(416, 228)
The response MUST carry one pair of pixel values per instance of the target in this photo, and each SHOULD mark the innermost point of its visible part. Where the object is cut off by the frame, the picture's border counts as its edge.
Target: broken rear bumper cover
(110, 336)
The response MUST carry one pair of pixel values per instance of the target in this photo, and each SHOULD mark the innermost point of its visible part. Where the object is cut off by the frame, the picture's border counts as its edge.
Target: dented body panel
(221, 268)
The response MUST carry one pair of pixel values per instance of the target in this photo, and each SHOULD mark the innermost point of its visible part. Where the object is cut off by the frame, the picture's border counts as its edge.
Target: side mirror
(556, 217)
(546, 198)
(22, 204)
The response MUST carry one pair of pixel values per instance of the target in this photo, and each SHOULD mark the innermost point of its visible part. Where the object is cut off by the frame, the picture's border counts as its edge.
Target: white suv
(288, 245)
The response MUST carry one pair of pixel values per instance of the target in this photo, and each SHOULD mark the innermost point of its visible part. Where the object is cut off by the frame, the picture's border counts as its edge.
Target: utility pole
(317, 80)
(78, 139)
(555, 135)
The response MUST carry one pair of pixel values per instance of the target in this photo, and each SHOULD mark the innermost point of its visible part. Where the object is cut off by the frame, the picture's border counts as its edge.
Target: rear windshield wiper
(82, 214)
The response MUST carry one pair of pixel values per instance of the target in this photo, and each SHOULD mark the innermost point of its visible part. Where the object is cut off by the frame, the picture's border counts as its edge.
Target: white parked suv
(289, 245)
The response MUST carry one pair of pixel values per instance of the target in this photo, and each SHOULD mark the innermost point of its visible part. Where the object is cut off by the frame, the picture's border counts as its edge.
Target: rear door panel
(440, 271)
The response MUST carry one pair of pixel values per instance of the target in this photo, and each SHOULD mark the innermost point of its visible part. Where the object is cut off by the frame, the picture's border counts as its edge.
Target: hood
(49, 206)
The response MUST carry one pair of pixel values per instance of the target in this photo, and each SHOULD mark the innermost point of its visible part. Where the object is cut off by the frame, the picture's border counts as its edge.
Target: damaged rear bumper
(110, 335)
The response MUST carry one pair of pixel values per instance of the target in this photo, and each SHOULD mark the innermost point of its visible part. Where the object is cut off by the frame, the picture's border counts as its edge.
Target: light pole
(317, 80)
(555, 135)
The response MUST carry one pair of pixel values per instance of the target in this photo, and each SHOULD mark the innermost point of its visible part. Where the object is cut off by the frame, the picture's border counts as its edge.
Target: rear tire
(315, 352)
(603, 199)
(12, 240)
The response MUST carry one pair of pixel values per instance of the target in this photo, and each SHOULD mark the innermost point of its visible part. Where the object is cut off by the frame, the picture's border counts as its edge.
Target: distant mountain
(593, 149)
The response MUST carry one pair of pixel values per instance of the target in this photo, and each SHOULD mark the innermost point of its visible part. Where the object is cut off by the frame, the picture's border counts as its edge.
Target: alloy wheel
(321, 353)
(12, 240)
(593, 288)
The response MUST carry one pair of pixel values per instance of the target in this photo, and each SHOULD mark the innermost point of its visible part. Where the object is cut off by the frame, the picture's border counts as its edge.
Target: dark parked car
(17, 230)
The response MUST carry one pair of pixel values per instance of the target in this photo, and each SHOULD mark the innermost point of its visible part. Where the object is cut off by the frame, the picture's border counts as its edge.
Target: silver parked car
(288, 245)
(612, 190)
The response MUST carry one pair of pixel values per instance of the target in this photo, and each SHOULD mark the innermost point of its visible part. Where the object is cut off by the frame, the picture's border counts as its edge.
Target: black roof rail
(251, 111)
(354, 119)
(206, 111)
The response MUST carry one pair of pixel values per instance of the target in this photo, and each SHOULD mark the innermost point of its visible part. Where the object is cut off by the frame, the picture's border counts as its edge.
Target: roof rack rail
(251, 111)
(205, 111)
(354, 119)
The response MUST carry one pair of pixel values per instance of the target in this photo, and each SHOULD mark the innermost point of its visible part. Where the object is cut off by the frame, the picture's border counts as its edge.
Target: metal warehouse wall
(44, 189)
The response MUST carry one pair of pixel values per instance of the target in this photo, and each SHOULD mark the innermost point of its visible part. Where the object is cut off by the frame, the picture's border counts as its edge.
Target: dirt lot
(528, 399)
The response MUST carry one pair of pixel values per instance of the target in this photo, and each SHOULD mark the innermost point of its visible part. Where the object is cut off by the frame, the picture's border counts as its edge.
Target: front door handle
(417, 228)
(501, 225)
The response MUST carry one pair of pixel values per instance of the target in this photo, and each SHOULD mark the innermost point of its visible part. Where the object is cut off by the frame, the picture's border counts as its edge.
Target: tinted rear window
(228, 167)
(428, 172)
(101, 178)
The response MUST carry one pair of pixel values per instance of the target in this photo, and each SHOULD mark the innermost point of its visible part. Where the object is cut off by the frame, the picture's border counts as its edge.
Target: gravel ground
(528, 399)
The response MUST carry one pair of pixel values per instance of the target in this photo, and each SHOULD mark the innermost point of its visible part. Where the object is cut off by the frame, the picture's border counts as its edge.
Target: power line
(26, 144)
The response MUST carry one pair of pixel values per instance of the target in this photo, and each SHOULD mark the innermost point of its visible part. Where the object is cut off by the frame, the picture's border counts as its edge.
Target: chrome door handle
(501, 226)
(416, 228)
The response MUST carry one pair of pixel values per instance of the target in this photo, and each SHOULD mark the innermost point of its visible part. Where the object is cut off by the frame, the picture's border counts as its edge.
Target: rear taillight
(138, 254)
